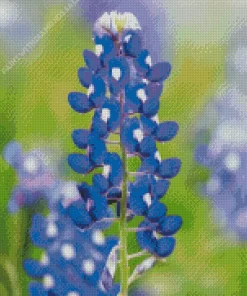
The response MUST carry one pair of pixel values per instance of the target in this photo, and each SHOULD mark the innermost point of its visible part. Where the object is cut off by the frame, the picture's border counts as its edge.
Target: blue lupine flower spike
(124, 90)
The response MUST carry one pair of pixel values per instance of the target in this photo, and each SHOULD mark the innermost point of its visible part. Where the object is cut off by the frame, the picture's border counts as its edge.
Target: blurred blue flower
(225, 155)
(37, 178)
(73, 261)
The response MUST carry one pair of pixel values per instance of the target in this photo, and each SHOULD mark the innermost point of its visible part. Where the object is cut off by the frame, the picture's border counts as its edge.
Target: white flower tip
(116, 22)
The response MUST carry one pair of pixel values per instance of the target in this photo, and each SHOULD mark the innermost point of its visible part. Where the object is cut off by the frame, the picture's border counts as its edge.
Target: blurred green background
(34, 109)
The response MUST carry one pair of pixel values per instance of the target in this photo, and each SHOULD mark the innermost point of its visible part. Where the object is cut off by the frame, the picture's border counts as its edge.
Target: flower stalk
(123, 227)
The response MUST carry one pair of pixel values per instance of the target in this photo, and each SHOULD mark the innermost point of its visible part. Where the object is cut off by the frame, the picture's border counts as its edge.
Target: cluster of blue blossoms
(225, 152)
(123, 89)
(74, 262)
(225, 155)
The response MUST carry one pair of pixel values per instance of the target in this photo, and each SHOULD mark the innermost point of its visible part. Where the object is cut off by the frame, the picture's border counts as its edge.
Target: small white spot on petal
(155, 118)
(144, 80)
(105, 114)
(157, 156)
(68, 251)
(127, 38)
(138, 135)
(73, 294)
(88, 266)
(90, 90)
(148, 61)
(232, 161)
(147, 199)
(141, 94)
(98, 237)
(116, 73)
(106, 171)
(99, 49)
(48, 281)
(51, 230)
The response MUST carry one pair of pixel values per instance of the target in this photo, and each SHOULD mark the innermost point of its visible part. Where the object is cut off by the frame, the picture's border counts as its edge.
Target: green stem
(124, 268)
(12, 279)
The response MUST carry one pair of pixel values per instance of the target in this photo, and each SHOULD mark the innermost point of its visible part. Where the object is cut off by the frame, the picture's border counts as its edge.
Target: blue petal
(99, 127)
(12, 153)
(34, 268)
(132, 102)
(140, 62)
(127, 137)
(100, 183)
(148, 146)
(149, 126)
(79, 102)
(118, 83)
(114, 291)
(169, 168)
(156, 211)
(100, 207)
(159, 72)
(165, 246)
(37, 289)
(151, 107)
(109, 48)
(79, 163)
(170, 225)
(98, 95)
(114, 121)
(85, 76)
(145, 238)
(149, 165)
(201, 155)
(81, 138)
(91, 60)
(154, 90)
(116, 173)
(37, 233)
(97, 151)
(79, 214)
(161, 188)
(132, 43)
(166, 131)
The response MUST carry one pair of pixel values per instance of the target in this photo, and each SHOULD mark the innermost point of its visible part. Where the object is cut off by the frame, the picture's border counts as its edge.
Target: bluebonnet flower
(124, 89)
(152, 17)
(225, 155)
(73, 261)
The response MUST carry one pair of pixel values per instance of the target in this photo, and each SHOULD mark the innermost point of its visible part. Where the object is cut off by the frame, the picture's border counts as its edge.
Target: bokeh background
(36, 75)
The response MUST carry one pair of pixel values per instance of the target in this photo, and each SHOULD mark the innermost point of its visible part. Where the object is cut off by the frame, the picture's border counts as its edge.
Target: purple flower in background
(123, 88)
(225, 155)
(37, 178)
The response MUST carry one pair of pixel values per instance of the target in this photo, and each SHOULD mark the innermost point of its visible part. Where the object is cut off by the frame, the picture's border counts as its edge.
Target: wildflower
(124, 88)
(225, 155)
(73, 261)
